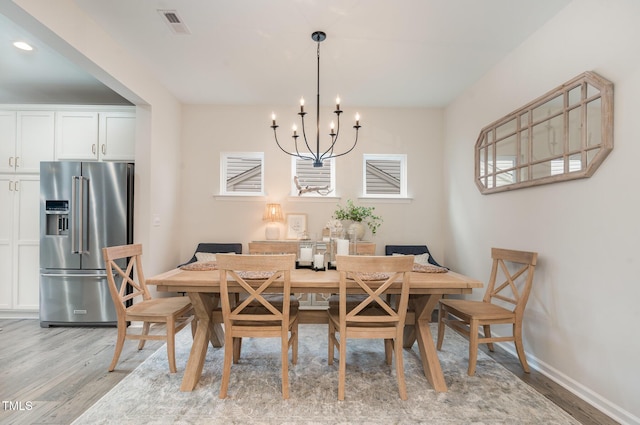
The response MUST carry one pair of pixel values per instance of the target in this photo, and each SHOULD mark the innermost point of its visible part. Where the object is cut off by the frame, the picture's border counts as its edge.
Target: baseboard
(612, 410)
(18, 314)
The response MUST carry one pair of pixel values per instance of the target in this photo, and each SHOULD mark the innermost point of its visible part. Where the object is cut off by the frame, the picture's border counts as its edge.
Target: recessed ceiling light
(23, 45)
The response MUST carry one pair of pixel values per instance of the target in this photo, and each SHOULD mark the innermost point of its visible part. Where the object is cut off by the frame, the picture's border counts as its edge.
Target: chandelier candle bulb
(273, 118)
(295, 129)
(338, 103)
(302, 104)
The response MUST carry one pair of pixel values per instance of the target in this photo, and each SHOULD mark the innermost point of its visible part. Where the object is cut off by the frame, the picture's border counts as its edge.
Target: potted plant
(358, 214)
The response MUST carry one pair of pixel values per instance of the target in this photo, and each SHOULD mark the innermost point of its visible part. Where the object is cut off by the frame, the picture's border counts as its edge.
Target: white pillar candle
(306, 254)
(343, 246)
(318, 261)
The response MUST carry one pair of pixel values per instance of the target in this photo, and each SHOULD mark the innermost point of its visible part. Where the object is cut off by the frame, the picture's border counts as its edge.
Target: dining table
(203, 287)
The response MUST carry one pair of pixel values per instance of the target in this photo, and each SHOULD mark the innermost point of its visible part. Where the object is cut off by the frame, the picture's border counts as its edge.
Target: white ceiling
(380, 53)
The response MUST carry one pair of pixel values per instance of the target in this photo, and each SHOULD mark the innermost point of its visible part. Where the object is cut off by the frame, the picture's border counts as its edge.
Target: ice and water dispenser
(57, 213)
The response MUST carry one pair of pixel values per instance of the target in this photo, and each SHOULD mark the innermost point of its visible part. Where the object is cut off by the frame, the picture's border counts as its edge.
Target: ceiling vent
(174, 21)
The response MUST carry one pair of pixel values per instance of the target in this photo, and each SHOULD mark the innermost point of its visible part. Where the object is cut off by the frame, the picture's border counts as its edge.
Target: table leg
(424, 306)
(215, 329)
(409, 334)
(203, 306)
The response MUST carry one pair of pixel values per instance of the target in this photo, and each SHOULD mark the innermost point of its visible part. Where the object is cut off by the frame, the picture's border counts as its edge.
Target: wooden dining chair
(466, 316)
(273, 248)
(259, 314)
(365, 248)
(134, 303)
(213, 248)
(373, 317)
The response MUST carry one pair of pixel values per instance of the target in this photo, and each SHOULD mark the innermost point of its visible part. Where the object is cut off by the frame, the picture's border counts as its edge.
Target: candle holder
(320, 257)
(333, 240)
(305, 254)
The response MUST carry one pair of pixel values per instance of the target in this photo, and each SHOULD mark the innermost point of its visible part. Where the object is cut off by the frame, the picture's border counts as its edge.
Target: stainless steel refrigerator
(84, 206)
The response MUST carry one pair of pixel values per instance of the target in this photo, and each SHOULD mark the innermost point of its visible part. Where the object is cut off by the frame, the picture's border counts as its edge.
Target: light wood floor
(63, 371)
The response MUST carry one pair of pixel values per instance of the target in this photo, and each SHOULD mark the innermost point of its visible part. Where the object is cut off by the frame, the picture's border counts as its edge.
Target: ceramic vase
(358, 229)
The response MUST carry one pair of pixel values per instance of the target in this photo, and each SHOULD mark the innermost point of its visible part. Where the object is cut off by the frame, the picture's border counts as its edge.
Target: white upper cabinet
(117, 136)
(76, 135)
(95, 136)
(26, 138)
(7, 141)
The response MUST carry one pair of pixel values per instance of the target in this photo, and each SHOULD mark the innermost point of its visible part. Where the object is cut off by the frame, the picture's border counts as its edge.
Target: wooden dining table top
(307, 280)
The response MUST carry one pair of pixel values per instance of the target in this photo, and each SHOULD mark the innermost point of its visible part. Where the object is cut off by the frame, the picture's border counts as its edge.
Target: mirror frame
(559, 119)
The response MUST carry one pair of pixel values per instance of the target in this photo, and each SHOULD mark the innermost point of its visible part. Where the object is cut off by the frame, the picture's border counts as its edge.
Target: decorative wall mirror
(564, 135)
(384, 175)
(242, 173)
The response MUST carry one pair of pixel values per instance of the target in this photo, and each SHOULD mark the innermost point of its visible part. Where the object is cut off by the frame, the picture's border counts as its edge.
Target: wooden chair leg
(487, 334)
(284, 356)
(332, 334)
(171, 345)
(294, 345)
(402, 386)
(145, 331)
(226, 365)
(388, 351)
(342, 371)
(237, 349)
(517, 336)
(122, 333)
(442, 314)
(473, 347)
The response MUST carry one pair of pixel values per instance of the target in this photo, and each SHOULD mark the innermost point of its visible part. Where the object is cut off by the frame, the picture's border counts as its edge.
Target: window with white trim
(242, 173)
(312, 181)
(384, 175)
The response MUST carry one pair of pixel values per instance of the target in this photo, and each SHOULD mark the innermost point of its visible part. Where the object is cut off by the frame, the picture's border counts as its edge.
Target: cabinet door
(7, 142)
(117, 136)
(6, 244)
(35, 140)
(77, 135)
(26, 243)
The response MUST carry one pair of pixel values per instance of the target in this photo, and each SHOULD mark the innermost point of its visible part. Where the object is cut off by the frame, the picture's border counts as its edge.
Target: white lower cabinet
(19, 241)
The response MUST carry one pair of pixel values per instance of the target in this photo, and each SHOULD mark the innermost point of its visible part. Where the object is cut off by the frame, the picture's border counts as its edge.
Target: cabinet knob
(15, 186)
(93, 148)
(10, 161)
(104, 149)
(17, 161)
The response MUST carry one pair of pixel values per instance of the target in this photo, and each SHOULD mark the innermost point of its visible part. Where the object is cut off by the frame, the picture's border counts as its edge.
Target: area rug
(151, 395)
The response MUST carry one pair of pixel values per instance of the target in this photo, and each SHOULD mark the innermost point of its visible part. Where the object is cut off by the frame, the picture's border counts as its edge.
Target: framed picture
(296, 225)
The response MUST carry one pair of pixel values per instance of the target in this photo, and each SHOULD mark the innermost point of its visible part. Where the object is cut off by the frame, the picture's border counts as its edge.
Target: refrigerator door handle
(78, 216)
(74, 214)
(83, 276)
(81, 220)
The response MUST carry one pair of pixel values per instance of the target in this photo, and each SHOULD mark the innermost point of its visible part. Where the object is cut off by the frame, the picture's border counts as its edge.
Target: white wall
(68, 30)
(209, 130)
(579, 323)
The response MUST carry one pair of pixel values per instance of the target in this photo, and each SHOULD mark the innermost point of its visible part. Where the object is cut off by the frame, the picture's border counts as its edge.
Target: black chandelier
(317, 156)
